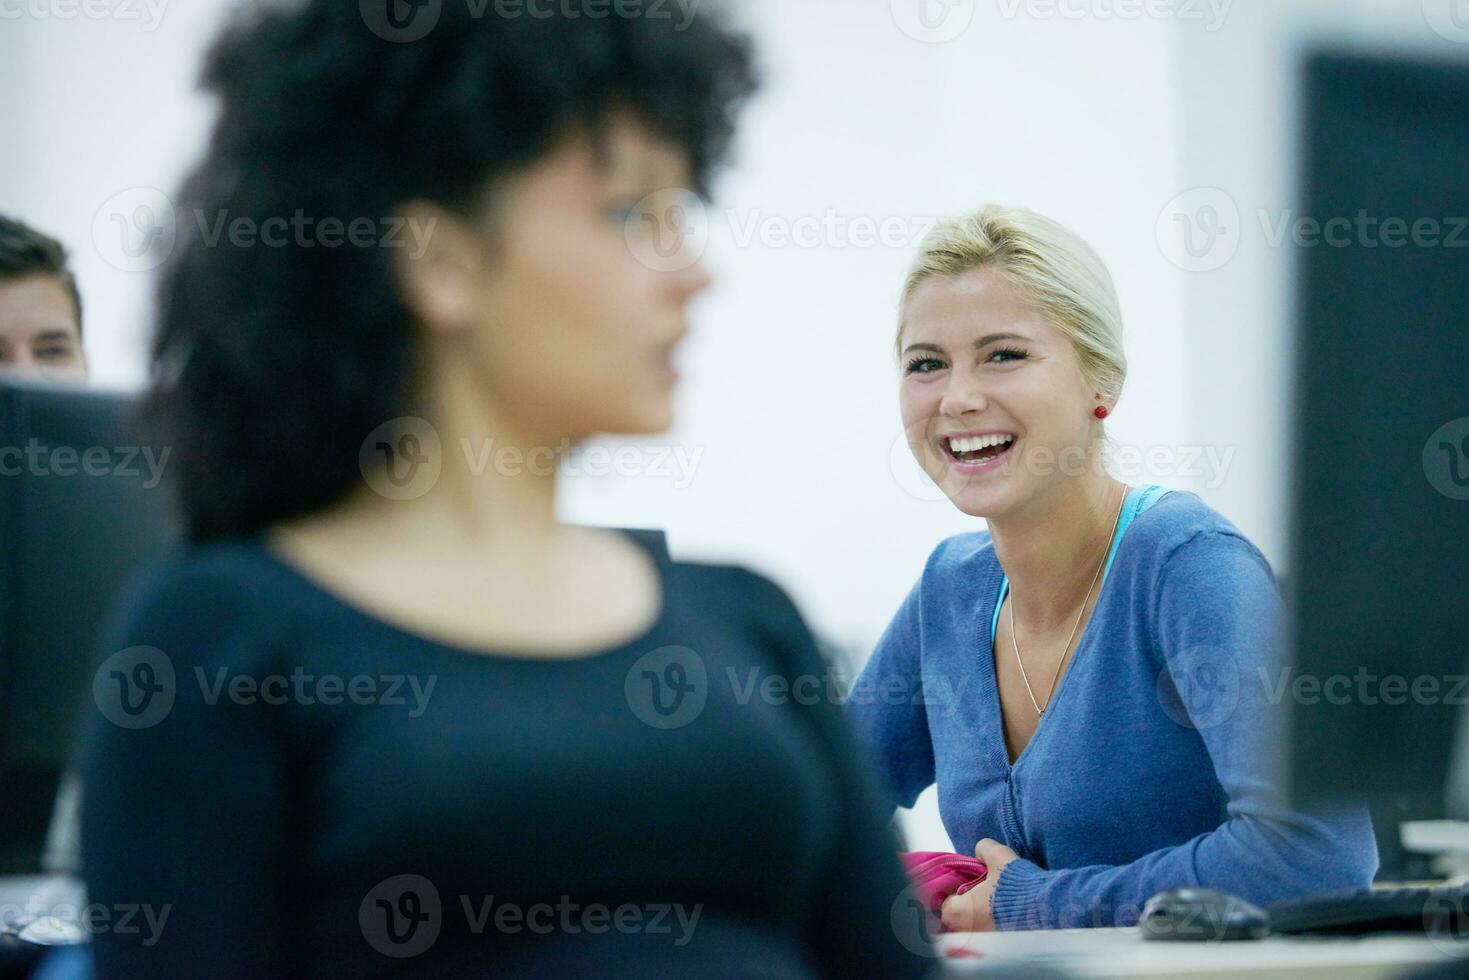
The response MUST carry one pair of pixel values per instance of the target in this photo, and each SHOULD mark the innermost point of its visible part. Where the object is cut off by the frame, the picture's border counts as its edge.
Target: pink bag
(938, 874)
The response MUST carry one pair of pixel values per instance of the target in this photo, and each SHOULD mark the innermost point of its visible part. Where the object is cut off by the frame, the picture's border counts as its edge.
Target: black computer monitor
(82, 504)
(1378, 601)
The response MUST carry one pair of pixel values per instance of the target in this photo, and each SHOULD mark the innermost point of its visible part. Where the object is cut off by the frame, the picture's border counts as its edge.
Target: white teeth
(977, 443)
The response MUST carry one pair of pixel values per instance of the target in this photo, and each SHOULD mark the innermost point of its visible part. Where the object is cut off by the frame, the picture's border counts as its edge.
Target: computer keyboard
(1437, 910)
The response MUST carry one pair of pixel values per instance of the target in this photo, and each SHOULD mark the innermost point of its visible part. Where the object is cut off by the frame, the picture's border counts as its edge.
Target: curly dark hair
(272, 364)
(24, 251)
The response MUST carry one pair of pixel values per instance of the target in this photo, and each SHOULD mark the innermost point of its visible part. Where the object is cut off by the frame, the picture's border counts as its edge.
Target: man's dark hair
(271, 365)
(26, 252)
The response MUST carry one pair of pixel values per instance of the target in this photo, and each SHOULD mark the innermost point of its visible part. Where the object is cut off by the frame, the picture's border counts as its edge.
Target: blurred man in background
(40, 307)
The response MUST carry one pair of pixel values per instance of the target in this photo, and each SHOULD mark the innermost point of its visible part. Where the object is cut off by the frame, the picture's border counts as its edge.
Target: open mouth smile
(975, 453)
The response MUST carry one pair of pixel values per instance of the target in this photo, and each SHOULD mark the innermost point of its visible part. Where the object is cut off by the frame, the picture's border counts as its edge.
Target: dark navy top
(306, 790)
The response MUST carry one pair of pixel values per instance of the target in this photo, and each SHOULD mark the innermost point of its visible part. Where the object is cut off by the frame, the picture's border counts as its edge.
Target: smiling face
(40, 336)
(993, 400)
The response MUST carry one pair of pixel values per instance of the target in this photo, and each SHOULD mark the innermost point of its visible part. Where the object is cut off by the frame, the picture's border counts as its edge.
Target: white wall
(96, 107)
(790, 392)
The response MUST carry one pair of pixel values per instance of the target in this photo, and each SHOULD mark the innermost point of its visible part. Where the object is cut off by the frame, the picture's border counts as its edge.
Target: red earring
(1101, 412)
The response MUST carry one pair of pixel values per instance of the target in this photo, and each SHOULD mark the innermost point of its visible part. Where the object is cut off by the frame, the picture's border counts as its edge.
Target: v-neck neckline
(997, 706)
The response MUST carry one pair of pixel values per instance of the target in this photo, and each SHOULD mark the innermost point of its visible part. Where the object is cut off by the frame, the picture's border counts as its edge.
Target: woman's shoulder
(961, 554)
(203, 587)
(1181, 525)
(734, 598)
(1174, 521)
(729, 588)
(1170, 514)
(226, 567)
(960, 570)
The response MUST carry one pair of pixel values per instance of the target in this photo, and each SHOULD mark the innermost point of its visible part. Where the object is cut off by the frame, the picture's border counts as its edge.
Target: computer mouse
(1201, 915)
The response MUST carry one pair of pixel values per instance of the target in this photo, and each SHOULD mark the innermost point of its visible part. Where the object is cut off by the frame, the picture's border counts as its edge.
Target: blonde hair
(1061, 273)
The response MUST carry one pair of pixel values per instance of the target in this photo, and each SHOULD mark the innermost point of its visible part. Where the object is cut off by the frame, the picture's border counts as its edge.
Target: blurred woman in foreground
(385, 714)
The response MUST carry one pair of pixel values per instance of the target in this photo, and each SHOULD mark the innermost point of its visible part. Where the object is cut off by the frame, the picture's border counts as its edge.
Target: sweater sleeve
(887, 709)
(181, 808)
(1218, 630)
(869, 922)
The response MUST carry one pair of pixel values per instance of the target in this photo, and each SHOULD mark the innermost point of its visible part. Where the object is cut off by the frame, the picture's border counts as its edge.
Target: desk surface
(1087, 953)
(1124, 953)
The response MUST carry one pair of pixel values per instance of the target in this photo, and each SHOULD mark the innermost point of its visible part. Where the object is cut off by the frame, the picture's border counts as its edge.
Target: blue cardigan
(1154, 766)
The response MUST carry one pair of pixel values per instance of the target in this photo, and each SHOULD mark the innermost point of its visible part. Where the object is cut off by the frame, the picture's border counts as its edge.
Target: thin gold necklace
(1039, 711)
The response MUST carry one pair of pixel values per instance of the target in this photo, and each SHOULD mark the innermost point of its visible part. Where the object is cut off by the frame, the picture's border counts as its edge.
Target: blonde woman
(1110, 737)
